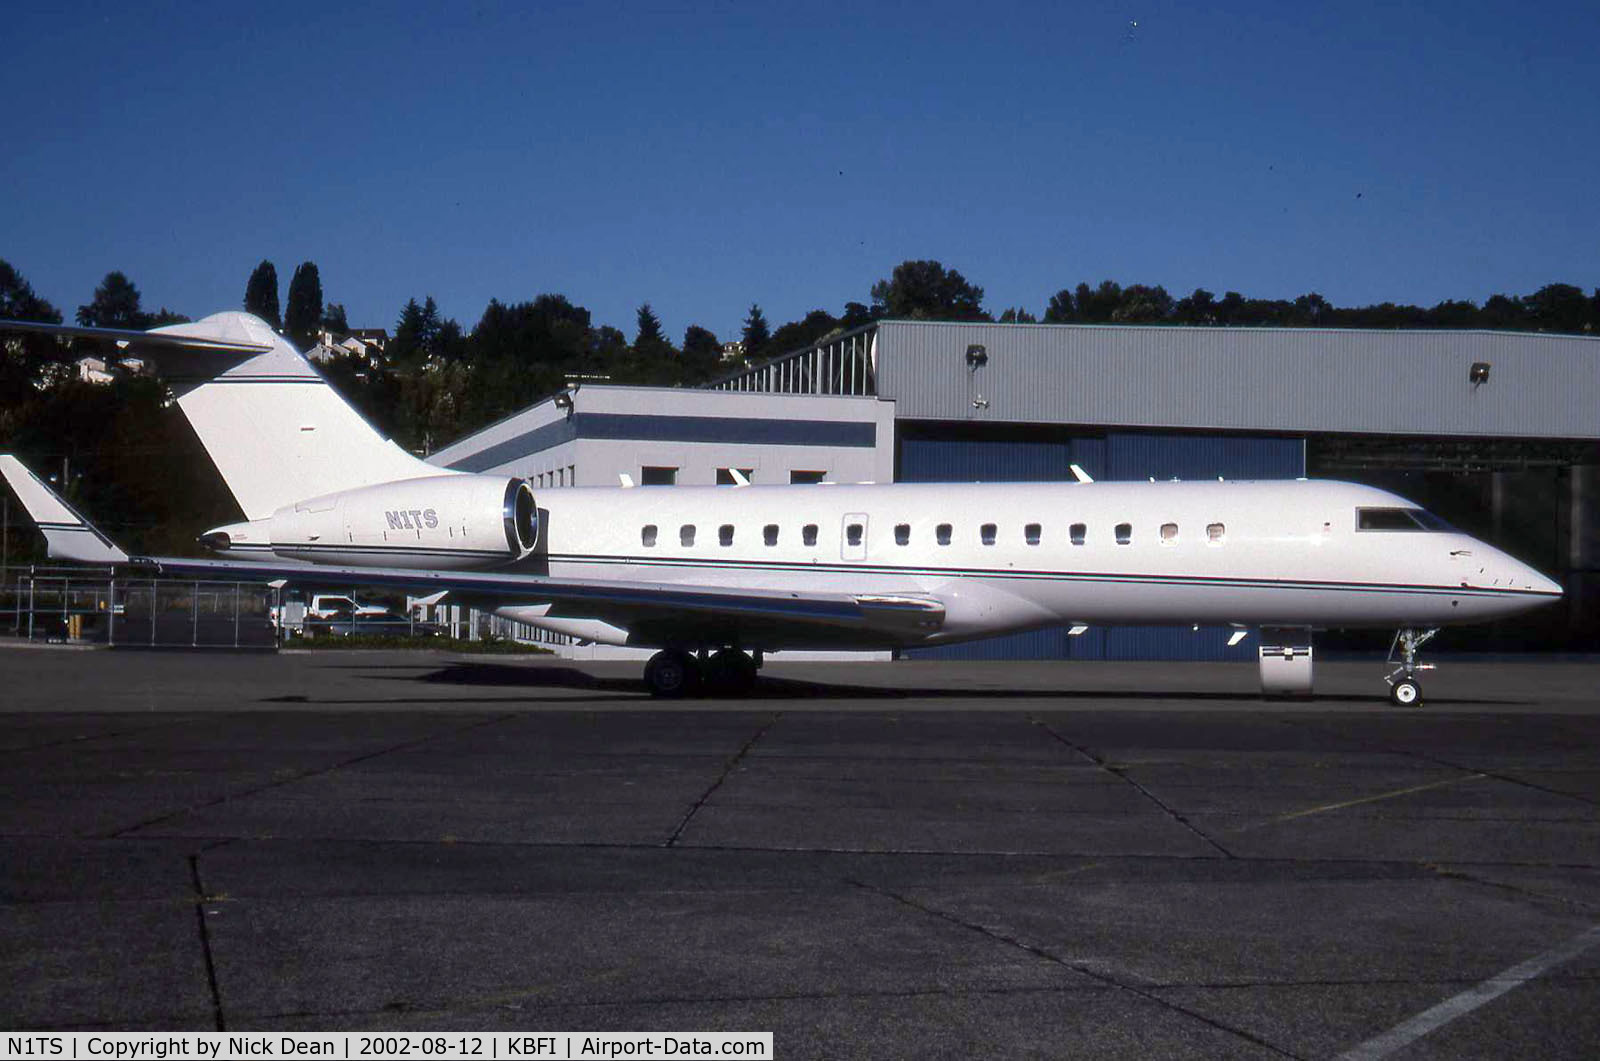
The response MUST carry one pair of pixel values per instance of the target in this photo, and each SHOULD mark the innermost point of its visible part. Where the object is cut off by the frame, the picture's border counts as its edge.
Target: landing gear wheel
(730, 671)
(671, 674)
(1406, 692)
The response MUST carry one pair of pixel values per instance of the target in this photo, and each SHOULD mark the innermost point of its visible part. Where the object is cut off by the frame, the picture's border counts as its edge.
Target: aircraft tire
(671, 674)
(1406, 693)
(730, 671)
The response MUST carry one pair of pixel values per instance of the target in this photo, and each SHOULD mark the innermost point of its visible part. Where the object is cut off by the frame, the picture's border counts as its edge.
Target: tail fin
(276, 430)
(67, 534)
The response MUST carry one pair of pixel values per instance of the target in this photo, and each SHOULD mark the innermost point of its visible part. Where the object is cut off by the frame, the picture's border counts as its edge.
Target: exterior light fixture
(1478, 373)
(977, 356)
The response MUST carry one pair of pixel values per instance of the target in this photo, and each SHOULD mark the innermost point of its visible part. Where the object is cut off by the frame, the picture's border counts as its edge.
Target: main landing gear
(1404, 689)
(673, 673)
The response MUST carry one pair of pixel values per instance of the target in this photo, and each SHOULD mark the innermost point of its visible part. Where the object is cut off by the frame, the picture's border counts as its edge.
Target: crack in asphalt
(122, 833)
(1121, 774)
(672, 841)
(1099, 975)
(205, 942)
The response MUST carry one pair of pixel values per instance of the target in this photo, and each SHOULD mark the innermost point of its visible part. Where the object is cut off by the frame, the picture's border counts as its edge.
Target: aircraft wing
(67, 535)
(653, 613)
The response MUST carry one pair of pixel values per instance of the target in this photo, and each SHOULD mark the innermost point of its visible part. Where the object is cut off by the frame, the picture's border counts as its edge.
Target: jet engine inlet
(521, 517)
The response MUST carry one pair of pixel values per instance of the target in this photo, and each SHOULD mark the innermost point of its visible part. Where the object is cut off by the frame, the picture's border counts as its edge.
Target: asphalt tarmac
(869, 860)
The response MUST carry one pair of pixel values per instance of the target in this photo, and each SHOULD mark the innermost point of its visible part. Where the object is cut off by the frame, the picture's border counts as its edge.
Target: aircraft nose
(1526, 577)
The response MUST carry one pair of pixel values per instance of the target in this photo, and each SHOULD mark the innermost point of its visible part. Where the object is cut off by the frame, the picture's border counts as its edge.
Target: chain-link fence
(104, 606)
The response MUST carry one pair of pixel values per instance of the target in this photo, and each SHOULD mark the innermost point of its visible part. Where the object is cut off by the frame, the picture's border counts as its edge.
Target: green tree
(261, 294)
(757, 334)
(702, 354)
(1062, 308)
(1017, 315)
(303, 312)
(333, 319)
(115, 305)
(649, 334)
(802, 333)
(17, 359)
(1558, 308)
(926, 290)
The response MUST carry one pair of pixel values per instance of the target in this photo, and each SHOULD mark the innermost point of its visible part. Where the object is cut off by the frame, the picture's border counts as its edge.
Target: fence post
(111, 610)
(194, 615)
(30, 601)
(236, 615)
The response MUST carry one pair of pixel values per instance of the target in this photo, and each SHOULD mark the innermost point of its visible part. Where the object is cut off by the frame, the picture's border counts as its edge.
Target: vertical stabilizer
(276, 430)
(67, 535)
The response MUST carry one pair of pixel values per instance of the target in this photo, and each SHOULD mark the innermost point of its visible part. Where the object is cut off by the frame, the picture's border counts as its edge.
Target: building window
(1031, 533)
(725, 476)
(769, 534)
(725, 534)
(1215, 533)
(572, 475)
(902, 534)
(686, 535)
(986, 532)
(1124, 533)
(1079, 533)
(561, 477)
(657, 476)
(797, 476)
(1169, 533)
(808, 534)
(942, 533)
(647, 536)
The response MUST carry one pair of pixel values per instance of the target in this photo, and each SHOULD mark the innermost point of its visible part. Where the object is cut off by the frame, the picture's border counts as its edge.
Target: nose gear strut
(1404, 689)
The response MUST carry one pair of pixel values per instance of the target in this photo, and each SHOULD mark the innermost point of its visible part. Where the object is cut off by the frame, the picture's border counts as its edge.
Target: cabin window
(853, 533)
(1215, 533)
(808, 534)
(986, 532)
(1079, 533)
(942, 533)
(902, 534)
(798, 476)
(657, 476)
(647, 536)
(1169, 533)
(769, 534)
(1031, 533)
(725, 534)
(1124, 533)
(686, 535)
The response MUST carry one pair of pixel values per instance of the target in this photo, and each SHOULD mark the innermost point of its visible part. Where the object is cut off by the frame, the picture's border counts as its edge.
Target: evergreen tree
(702, 354)
(261, 294)
(649, 329)
(115, 305)
(303, 312)
(756, 332)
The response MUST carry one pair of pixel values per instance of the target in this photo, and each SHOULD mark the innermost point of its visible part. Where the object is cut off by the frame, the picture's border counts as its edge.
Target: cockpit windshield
(1399, 519)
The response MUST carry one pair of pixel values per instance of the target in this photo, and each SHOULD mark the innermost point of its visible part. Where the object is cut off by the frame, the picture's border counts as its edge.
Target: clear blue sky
(703, 156)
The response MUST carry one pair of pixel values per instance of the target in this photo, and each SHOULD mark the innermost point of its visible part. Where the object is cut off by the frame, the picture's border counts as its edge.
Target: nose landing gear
(1404, 689)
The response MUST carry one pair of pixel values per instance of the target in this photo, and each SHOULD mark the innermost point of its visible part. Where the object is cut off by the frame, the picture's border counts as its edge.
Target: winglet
(1079, 474)
(68, 535)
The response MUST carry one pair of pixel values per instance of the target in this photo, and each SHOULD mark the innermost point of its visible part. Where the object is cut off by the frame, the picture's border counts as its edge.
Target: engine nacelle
(444, 521)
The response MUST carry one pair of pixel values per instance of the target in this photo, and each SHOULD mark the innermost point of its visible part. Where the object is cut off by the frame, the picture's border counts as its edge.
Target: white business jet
(713, 577)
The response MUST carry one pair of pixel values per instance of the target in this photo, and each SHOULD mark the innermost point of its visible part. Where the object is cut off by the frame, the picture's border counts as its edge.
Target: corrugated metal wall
(1243, 379)
(1119, 455)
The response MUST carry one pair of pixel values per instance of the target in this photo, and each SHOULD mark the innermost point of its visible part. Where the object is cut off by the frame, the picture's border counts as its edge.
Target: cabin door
(853, 536)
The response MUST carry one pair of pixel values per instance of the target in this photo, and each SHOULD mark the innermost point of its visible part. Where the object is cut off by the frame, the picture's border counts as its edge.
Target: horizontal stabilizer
(67, 534)
(126, 336)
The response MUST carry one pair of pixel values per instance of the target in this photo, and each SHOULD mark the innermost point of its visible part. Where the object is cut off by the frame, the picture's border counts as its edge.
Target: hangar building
(1498, 432)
